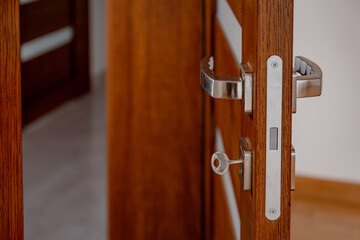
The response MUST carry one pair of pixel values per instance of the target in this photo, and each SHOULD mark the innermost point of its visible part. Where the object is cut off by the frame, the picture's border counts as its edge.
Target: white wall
(97, 37)
(326, 130)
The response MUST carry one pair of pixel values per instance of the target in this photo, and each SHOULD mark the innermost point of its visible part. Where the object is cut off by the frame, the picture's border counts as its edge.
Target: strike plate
(273, 137)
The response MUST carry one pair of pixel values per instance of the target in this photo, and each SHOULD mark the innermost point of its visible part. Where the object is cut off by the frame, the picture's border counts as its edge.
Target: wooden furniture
(62, 73)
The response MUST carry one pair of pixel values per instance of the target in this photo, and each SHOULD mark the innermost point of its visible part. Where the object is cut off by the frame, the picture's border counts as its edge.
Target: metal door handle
(228, 87)
(307, 80)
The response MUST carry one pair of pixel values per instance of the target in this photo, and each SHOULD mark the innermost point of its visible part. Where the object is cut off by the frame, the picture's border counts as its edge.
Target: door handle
(228, 87)
(307, 80)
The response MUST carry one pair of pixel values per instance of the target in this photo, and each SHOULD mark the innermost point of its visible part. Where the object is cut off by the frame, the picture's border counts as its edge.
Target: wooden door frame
(11, 186)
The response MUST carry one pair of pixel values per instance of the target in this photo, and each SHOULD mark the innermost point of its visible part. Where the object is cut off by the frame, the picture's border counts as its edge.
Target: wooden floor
(325, 210)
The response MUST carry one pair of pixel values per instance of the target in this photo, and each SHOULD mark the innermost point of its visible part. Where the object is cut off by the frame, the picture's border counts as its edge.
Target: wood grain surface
(41, 17)
(63, 73)
(323, 209)
(154, 119)
(11, 192)
(208, 137)
(222, 226)
(225, 112)
(266, 30)
(55, 69)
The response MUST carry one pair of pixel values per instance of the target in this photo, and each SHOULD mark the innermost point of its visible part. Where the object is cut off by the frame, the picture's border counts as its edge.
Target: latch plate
(273, 137)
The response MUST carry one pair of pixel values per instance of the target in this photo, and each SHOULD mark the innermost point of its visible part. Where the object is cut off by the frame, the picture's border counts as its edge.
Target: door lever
(228, 87)
(307, 80)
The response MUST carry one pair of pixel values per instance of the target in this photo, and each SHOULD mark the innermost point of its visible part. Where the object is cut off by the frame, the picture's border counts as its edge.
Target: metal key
(224, 162)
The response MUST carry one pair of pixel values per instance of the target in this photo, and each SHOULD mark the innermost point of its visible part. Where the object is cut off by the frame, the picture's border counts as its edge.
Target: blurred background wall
(326, 130)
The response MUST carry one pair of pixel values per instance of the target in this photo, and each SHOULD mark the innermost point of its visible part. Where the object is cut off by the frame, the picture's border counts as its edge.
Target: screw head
(272, 211)
(274, 64)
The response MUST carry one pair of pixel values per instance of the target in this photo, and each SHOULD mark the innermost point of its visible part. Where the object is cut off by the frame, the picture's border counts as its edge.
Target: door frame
(11, 181)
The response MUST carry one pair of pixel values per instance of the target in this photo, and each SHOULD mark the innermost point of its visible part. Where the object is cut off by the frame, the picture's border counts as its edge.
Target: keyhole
(217, 163)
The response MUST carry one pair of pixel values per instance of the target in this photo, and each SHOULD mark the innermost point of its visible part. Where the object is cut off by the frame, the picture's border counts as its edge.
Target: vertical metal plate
(273, 124)
(245, 168)
(293, 156)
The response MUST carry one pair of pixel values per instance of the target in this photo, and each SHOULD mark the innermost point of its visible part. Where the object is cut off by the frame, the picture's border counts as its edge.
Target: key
(223, 162)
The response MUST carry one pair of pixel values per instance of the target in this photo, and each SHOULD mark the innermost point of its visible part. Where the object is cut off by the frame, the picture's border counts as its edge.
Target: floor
(325, 210)
(65, 172)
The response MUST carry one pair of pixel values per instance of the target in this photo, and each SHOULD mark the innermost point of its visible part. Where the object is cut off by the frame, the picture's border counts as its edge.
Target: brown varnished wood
(79, 15)
(320, 190)
(225, 112)
(60, 93)
(55, 69)
(237, 7)
(323, 209)
(266, 30)
(275, 37)
(41, 17)
(154, 119)
(209, 223)
(222, 223)
(11, 194)
(217, 220)
(61, 74)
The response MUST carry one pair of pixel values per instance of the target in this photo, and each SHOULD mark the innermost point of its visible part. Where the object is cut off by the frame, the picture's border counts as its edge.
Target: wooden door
(248, 31)
(161, 127)
(54, 61)
(11, 197)
(154, 119)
